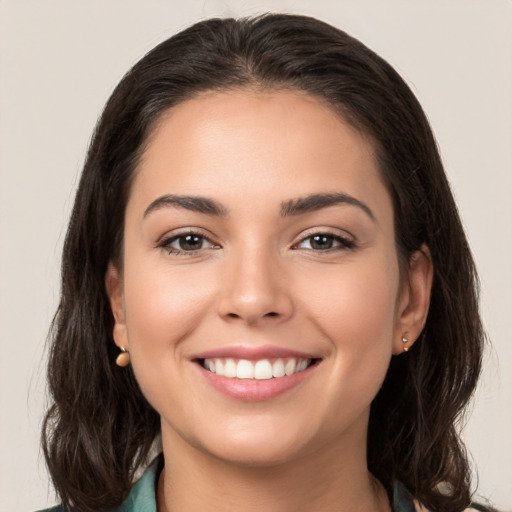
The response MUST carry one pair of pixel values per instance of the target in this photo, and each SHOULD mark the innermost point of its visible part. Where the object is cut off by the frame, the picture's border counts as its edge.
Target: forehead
(259, 143)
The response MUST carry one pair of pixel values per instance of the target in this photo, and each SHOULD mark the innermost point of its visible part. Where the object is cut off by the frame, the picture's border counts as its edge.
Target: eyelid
(175, 233)
(165, 241)
(348, 241)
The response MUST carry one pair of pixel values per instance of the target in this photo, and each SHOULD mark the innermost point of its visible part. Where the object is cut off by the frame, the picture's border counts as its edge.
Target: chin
(263, 443)
(252, 455)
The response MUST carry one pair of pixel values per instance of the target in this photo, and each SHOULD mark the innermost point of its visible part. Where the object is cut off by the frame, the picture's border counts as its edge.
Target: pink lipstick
(255, 373)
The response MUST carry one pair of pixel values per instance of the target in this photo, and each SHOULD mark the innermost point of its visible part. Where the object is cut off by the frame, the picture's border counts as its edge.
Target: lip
(254, 390)
(254, 353)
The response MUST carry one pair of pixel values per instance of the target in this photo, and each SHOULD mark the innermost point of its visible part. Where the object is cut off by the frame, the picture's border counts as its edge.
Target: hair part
(99, 428)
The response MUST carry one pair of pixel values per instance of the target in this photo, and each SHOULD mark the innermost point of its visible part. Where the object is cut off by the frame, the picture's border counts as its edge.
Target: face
(260, 295)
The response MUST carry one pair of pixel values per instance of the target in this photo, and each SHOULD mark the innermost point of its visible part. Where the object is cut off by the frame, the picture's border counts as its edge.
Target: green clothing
(142, 497)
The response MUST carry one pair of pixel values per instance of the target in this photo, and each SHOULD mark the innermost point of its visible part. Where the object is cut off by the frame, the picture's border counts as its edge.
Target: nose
(255, 289)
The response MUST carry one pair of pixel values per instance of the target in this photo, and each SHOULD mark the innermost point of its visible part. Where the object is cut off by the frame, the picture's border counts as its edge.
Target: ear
(414, 300)
(114, 287)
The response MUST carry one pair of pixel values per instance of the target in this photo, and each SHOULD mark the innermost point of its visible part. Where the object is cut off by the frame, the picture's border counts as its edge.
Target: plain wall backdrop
(59, 61)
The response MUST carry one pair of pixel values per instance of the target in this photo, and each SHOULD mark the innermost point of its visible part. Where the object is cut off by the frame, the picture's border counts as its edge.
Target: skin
(258, 280)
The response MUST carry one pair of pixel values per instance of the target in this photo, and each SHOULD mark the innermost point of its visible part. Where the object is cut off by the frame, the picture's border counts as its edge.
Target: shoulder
(473, 508)
(142, 497)
(403, 502)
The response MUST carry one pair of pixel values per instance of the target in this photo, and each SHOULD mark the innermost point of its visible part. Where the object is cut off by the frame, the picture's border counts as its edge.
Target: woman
(265, 242)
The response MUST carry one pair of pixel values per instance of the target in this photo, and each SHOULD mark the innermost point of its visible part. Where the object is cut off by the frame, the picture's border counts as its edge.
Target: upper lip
(251, 353)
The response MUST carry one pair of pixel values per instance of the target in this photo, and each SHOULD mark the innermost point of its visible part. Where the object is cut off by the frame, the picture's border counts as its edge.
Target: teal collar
(142, 497)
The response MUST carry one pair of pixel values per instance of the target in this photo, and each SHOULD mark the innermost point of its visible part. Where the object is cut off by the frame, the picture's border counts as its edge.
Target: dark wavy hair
(99, 428)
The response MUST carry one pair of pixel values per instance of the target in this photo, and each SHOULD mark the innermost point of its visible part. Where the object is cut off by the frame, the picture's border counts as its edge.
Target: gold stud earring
(405, 339)
(123, 359)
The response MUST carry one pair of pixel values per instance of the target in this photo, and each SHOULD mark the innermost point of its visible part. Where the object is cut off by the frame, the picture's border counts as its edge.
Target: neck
(328, 479)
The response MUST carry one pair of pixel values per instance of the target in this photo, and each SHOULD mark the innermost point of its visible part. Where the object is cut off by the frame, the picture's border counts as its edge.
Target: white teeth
(289, 367)
(230, 368)
(263, 369)
(278, 368)
(245, 369)
(301, 366)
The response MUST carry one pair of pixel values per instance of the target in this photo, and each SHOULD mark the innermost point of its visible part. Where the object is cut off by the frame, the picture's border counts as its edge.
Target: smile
(263, 369)
(255, 373)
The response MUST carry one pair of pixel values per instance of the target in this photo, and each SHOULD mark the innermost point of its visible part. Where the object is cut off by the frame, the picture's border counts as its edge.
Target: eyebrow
(193, 203)
(315, 202)
(292, 207)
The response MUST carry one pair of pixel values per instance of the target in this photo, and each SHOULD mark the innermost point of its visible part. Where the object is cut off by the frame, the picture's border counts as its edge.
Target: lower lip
(254, 390)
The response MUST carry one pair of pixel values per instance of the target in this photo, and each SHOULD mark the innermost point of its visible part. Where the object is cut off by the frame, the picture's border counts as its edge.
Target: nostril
(272, 313)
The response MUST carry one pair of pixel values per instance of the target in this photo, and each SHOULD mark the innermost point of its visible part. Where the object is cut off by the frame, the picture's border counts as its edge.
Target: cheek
(354, 308)
(163, 305)
(355, 298)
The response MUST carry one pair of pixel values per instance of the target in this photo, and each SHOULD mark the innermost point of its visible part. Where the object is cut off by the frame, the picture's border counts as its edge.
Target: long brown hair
(99, 427)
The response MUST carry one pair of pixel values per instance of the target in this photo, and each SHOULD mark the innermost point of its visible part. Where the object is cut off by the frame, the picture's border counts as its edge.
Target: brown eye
(190, 242)
(186, 243)
(325, 242)
(321, 242)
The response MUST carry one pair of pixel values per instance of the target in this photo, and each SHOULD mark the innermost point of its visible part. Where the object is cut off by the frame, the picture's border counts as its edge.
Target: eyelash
(345, 243)
(165, 244)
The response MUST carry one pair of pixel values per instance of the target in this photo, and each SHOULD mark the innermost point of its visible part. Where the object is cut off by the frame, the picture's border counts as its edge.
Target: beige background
(60, 60)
